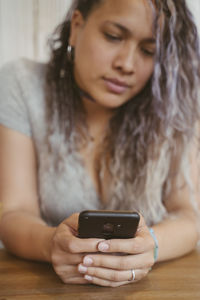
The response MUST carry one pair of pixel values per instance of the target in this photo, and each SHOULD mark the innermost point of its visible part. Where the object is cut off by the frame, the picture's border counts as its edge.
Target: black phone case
(108, 224)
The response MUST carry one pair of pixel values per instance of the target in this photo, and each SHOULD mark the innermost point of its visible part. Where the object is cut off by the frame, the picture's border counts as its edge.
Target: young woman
(108, 123)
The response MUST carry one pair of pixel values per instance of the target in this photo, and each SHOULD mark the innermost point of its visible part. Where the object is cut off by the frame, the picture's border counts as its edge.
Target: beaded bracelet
(156, 243)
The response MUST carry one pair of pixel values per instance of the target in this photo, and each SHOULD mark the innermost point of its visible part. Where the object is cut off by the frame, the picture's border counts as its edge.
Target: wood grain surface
(24, 280)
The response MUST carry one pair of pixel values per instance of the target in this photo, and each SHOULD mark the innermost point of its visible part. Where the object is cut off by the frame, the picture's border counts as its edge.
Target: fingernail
(88, 261)
(87, 277)
(82, 269)
(103, 246)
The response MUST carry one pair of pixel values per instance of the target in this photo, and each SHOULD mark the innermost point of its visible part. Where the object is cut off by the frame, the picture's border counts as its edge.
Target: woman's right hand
(67, 251)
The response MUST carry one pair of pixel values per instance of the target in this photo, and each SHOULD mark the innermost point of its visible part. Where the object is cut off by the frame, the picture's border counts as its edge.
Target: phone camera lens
(108, 228)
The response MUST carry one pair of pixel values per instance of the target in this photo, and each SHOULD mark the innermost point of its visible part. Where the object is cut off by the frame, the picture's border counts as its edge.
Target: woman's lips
(116, 86)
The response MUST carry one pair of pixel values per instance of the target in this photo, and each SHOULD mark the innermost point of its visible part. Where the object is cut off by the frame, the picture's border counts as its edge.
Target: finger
(113, 275)
(142, 223)
(72, 221)
(77, 245)
(60, 257)
(65, 240)
(103, 282)
(140, 244)
(127, 262)
(69, 274)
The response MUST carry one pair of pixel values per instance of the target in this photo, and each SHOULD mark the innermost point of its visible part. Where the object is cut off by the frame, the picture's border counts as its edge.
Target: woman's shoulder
(22, 70)
(22, 94)
(21, 64)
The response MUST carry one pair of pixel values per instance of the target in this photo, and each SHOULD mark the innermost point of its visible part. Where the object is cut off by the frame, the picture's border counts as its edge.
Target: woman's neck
(97, 117)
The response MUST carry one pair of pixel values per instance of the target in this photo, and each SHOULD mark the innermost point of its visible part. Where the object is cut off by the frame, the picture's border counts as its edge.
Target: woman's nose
(125, 59)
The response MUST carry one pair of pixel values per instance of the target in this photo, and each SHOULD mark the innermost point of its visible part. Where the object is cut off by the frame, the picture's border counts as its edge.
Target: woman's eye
(112, 37)
(148, 52)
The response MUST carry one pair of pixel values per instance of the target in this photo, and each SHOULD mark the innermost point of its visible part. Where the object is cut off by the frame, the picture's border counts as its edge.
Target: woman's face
(114, 50)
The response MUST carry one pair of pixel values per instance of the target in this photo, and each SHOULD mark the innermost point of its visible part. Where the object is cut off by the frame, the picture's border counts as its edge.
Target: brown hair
(165, 110)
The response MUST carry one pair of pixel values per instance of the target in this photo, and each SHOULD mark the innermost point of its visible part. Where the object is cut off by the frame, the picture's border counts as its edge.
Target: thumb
(72, 221)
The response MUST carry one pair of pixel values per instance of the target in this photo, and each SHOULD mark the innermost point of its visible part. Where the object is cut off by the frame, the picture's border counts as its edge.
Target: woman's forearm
(29, 237)
(26, 235)
(176, 236)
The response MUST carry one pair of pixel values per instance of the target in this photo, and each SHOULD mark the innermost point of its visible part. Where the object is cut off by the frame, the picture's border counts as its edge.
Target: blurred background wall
(26, 24)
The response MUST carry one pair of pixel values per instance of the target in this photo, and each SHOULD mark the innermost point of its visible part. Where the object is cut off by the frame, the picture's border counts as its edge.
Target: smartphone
(108, 224)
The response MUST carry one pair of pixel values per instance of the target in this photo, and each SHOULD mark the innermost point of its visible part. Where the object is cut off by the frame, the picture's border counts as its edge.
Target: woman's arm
(22, 230)
(178, 234)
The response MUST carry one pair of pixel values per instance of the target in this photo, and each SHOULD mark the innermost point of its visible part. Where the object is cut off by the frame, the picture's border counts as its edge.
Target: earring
(70, 53)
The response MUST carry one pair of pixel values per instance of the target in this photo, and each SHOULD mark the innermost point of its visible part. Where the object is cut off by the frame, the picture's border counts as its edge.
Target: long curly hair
(161, 116)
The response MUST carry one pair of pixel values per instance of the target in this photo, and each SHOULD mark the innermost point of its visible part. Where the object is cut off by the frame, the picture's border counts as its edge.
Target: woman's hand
(68, 251)
(109, 269)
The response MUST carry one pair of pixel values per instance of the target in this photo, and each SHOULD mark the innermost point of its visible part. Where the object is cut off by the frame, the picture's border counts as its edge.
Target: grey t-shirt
(66, 187)
(62, 190)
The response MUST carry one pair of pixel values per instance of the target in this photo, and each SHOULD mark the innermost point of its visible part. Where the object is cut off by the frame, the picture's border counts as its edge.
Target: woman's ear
(77, 23)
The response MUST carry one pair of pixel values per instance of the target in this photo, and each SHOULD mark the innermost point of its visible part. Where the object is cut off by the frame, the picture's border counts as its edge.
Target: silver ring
(132, 275)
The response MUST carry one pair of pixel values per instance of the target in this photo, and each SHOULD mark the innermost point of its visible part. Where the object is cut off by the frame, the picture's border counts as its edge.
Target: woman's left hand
(111, 268)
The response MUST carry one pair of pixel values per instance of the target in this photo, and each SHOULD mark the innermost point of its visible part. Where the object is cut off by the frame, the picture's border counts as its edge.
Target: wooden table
(23, 280)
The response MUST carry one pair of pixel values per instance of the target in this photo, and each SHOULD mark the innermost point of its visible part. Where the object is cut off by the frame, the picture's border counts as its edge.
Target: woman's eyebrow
(125, 30)
(119, 26)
